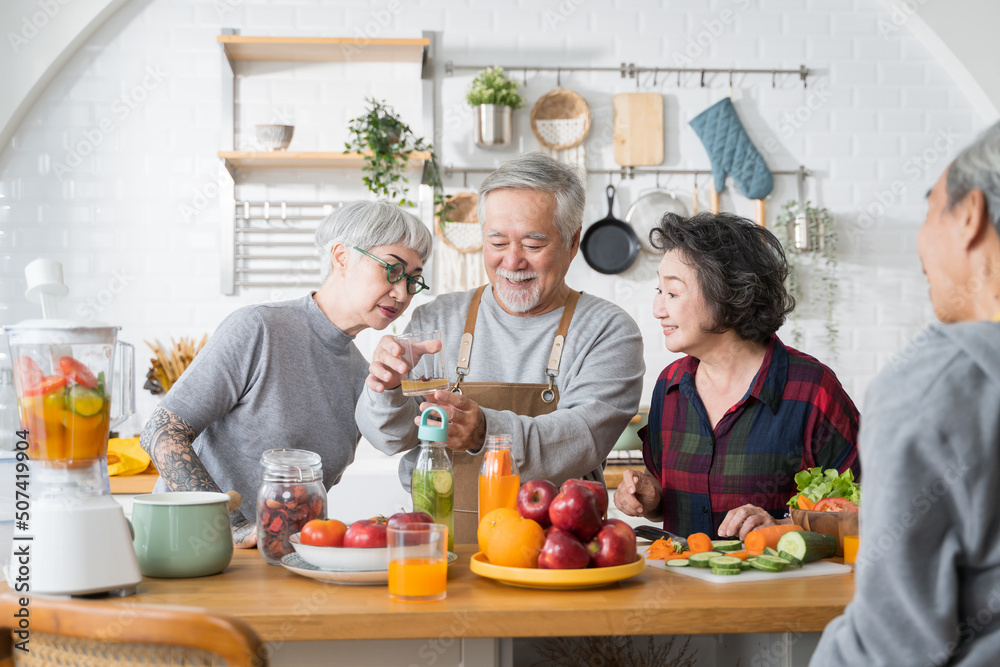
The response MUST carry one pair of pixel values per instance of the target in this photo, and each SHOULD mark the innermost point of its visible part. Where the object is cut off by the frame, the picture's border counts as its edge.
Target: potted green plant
(493, 96)
(809, 237)
(387, 143)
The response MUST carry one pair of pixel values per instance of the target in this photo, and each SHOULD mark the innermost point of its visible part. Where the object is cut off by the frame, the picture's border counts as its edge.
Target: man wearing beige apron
(557, 370)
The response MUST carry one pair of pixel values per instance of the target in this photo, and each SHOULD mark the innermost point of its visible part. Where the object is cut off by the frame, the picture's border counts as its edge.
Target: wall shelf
(303, 160)
(323, 49)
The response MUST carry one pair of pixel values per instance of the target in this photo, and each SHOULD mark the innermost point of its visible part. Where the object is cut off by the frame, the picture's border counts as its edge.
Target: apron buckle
(548, 395)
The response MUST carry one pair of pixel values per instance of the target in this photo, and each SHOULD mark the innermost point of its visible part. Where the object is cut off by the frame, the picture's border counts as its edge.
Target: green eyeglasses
(395, 272)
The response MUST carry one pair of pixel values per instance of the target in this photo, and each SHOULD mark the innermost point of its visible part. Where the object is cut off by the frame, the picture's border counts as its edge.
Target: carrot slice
(699, 543)
(742, 555)
(758, 540)
(804, 503)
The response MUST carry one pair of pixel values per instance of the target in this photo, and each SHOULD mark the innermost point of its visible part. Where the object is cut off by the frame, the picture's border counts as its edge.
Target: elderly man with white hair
(928, 578)
(288, 374)
(557, 370)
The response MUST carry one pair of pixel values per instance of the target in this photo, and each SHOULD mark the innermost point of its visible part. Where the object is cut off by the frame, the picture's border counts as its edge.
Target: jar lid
(291, 465)
(432, 433)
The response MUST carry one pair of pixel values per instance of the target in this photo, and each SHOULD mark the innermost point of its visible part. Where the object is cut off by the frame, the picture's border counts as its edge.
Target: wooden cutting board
(638, 129)
(817, 569)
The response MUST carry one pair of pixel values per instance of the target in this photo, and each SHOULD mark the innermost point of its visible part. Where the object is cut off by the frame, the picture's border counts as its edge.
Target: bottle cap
(433, 433)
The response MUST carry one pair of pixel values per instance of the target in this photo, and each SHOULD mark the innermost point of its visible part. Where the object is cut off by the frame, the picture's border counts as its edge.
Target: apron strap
(551, 371)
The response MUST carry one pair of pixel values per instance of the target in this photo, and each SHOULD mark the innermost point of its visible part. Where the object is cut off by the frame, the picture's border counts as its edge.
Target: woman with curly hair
(733, 421)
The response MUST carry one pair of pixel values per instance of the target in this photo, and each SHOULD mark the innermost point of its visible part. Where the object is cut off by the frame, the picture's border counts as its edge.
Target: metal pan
(610, 245)
(645, 213)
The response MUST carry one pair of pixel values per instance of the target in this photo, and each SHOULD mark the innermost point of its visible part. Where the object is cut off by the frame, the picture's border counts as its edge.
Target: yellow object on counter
(126, 457)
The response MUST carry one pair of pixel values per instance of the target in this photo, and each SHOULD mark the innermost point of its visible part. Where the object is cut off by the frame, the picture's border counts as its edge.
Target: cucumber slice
(768, 551)
(725, 571)
(727, 545)
(745, 565)
(444, 481)
(677, 562)
(808, 546)
(792, 560)
(84, 401)
(770, 563)
(725, 563)
(701, 560)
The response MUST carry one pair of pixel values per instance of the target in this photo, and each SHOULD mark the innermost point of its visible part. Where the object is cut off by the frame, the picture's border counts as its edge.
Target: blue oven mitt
(731, 151)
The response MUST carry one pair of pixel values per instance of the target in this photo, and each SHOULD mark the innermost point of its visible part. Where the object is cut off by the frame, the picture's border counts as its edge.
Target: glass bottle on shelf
(291, 494)
(499, 480)
(432, 485)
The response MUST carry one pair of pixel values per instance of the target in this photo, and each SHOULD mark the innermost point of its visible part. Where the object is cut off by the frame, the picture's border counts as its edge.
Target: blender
(71, 537)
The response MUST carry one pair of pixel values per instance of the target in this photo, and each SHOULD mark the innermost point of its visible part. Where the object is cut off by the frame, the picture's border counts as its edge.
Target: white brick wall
(867, 124)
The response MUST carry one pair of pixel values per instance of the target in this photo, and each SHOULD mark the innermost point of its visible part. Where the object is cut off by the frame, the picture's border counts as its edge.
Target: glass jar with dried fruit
(291, 494)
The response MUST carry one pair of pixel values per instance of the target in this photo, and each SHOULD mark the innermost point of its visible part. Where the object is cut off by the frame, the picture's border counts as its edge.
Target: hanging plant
(809, 238)
(387, 143)
(492, 86)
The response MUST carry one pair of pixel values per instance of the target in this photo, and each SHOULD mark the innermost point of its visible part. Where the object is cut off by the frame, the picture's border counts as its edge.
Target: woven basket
(455, 232)
(562, 110)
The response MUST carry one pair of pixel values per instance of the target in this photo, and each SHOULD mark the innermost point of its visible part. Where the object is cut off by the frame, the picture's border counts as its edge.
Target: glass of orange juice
(850, 549)
(499, 480)
(418, 562)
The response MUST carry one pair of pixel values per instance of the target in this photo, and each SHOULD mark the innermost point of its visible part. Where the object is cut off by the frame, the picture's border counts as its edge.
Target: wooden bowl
(837, 524)
(560, 104)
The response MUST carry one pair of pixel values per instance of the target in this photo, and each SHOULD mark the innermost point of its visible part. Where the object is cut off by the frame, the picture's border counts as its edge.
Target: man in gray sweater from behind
(928, 571)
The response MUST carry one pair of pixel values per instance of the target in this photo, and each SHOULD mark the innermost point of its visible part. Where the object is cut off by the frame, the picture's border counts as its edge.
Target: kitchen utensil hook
(702, 78)
(559, 77)
(524, 74)
(774, 76)
(730, 83)
(657, 180)
(655, 70)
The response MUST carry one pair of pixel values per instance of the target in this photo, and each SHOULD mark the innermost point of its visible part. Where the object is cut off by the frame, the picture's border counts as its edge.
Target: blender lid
(55, 324)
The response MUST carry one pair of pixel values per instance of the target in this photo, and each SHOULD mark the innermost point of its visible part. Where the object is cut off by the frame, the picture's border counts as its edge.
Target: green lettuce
(817, 484)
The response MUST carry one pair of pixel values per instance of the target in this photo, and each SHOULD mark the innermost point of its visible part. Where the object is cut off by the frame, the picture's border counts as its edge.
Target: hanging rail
(631, 172)
(632, 71)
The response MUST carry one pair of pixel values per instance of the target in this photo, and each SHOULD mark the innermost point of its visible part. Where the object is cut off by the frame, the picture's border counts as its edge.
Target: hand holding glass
(417, 348)
(418, 562)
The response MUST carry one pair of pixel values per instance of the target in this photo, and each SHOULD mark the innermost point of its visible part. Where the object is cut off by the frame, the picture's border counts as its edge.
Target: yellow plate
(527, 577)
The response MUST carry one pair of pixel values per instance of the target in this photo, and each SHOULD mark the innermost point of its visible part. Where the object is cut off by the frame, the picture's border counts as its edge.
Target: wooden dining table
(480, 614)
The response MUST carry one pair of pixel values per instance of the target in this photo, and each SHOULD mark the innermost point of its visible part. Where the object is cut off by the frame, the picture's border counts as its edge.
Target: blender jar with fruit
(76, 534)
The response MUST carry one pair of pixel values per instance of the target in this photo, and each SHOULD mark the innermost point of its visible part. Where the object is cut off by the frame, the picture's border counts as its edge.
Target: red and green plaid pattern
(795, 416)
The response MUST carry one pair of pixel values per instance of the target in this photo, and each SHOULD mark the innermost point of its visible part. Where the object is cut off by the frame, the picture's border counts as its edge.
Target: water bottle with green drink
(432, 485)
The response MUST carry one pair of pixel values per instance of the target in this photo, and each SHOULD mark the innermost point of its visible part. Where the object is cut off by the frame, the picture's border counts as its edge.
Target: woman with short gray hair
(288, 374)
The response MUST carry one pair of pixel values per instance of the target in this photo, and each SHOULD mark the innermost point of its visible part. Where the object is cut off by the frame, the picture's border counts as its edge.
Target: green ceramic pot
(182, 534)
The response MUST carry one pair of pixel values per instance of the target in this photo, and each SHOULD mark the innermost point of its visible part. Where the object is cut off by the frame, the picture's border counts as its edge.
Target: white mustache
(516, 275)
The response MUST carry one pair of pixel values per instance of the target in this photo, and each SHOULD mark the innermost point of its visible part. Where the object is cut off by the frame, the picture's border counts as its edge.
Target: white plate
(296, 564)
(353, 559)
(815, 569)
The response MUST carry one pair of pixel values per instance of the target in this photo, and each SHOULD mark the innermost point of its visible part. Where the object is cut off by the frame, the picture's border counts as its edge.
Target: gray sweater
(600, 382)
(928, 578)
(272, 375)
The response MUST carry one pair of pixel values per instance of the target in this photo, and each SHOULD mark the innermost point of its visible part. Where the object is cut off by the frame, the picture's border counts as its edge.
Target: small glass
(418, 562)
(851, 544)
(426, 368)
(499, 480)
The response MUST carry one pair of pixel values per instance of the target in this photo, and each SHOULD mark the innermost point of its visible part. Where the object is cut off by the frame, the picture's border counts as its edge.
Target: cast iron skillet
(610, 245)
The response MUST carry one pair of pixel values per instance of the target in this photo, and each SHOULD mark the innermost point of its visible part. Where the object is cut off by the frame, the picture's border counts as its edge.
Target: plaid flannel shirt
(795, 415)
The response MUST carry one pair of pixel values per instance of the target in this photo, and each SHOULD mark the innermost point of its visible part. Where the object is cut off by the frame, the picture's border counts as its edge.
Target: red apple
(613, 545)
(533, 500)
(600, 494)
(575, 510)
(404, 518)
(562, 551)
(367, 534)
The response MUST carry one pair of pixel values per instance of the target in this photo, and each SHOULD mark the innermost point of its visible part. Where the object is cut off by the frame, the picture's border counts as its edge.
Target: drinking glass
(426, 373)
(418, 562)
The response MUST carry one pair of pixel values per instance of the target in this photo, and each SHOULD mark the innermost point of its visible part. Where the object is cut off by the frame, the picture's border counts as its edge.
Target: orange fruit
(515, 542)
(490, 521)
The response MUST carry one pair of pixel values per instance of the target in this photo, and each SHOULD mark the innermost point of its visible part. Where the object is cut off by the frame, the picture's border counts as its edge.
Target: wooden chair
(83, 633)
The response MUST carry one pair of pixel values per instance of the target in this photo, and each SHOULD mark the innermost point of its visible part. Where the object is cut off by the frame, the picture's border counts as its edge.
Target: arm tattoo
(168, 440)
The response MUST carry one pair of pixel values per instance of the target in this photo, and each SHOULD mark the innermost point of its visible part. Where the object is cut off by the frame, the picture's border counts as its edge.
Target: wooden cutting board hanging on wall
(638, 129)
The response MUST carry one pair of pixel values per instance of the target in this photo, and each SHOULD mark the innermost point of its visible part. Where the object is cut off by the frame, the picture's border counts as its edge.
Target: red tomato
(31, 374)
(835, 504)
(320, 533)
(77, 372)
(48, 384)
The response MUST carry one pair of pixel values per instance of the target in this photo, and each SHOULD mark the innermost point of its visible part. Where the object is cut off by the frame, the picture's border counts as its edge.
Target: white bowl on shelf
(344, 559)
(274, 137)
